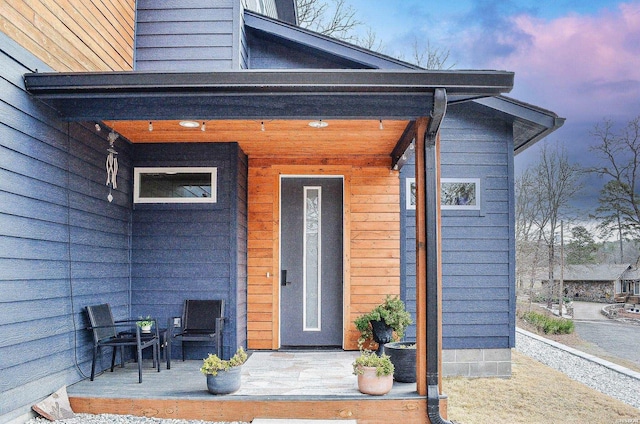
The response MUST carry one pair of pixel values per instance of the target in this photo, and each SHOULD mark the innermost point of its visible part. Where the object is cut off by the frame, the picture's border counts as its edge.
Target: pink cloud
(579, 66)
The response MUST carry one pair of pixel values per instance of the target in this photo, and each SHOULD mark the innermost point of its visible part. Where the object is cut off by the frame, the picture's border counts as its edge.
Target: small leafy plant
(145, 322)
(367, 358)
(212, 364)
(392, 311)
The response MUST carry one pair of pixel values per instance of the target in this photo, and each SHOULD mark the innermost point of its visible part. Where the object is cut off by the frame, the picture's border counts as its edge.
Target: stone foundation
(476, 363)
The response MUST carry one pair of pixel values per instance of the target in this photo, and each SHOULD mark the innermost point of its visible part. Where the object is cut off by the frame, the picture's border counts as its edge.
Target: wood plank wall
(372, 240)
(72, 35)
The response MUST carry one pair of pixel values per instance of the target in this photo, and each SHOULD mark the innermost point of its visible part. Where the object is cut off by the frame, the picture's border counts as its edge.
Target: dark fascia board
(287, 11)
(328, 45)
(275, 94)
(545, 121)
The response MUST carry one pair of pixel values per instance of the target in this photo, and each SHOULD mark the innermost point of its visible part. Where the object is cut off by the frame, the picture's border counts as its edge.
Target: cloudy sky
(580, 59)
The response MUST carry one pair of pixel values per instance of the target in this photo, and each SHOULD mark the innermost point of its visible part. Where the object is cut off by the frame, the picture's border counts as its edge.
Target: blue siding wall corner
(193, 251)
(477, 245)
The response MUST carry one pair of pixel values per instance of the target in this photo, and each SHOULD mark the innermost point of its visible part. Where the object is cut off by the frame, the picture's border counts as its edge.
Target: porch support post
(421, 260)
(428, 273)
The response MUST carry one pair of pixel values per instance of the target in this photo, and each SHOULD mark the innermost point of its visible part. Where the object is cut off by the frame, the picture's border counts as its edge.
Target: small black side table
(165, 342)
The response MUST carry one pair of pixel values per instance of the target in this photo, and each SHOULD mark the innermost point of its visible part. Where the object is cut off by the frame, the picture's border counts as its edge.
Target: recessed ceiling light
(318, 124)
(189, 124)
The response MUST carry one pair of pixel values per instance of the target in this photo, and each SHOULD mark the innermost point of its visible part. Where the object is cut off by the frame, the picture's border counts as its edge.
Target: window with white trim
(175, 185)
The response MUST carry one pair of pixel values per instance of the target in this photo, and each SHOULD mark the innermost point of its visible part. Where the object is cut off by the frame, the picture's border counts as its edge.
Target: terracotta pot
(370, 384)
(224, 382)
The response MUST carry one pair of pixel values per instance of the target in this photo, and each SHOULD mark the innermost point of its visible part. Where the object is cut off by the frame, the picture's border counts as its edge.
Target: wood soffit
(233, 104)
(280, 137)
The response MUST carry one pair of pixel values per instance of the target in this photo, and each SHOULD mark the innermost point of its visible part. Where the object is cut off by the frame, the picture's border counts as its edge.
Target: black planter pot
(382, 333)
(403, 359)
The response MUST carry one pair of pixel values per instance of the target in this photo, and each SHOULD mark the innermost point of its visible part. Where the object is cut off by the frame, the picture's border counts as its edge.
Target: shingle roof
(589, 272)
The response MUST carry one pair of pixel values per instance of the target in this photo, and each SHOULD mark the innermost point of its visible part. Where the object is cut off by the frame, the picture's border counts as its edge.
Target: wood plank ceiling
(279, 137)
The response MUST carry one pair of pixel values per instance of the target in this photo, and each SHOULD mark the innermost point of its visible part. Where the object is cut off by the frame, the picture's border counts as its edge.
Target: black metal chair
(202, 321)
(105, 333)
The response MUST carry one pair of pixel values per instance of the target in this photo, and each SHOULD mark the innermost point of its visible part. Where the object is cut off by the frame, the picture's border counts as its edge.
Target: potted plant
(384, 323)
(403, 357)
(223, 376)
(145, 324)
(375, 373)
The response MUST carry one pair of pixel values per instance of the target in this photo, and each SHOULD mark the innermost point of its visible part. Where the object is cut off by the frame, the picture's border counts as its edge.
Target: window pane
(187, 185)
(175, 185)
(312, 258)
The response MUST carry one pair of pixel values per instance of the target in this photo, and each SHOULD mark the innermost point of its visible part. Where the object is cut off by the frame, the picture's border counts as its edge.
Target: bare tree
(619, 199)
(370, 41)
(337, 19)
(429, 57)
(555, 182)
(528, 237)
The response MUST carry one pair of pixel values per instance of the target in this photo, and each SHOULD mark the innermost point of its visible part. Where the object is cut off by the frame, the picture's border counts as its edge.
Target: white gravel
(597, 374)
(122, 419)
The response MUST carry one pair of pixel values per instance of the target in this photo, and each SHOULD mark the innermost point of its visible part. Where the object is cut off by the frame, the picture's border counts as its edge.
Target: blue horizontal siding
(479, 331)
(196, 35)
(172, 4)
(62, 244)
(479, 281)
(183, 53)
(477, 273)
(179, 40)
(188, 15)
(477, 342)
(187, 251)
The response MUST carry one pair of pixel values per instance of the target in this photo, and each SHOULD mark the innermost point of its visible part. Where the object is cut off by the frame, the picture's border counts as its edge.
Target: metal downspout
(432, 229)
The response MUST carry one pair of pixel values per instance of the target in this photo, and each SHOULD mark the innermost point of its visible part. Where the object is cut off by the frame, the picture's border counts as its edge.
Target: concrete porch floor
(278, 385)
(272, 374)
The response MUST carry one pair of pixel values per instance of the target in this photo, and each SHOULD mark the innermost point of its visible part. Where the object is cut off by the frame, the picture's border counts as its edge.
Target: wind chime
(112, 165)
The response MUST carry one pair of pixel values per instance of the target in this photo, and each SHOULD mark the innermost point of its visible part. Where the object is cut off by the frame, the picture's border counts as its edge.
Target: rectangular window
(460, 193)
(455, 193)
(311, 253)
(410, 192)
(175, 185)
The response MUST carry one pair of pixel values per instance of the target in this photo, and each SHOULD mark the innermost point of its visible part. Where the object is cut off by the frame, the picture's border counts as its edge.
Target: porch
(275, 384)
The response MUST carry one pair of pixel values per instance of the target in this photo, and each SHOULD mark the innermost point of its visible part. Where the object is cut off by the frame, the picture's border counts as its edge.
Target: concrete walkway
(588, 311)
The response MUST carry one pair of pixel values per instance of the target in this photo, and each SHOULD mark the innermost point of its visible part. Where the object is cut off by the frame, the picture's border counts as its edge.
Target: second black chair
(202, 321)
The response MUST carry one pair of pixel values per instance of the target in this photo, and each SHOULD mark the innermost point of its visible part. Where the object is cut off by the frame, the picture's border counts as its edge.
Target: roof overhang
(260, 94)
(319, 44)
(530, 123)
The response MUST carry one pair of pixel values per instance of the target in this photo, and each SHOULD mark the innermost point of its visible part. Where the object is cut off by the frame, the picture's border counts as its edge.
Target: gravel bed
(123, 419)
(597, 376)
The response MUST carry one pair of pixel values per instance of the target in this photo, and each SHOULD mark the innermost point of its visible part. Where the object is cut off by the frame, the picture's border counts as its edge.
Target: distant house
(259, 163)
(629, 289)
(594, 283)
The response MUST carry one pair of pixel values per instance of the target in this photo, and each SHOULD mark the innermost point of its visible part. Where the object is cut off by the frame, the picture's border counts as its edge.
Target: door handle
(283, 278)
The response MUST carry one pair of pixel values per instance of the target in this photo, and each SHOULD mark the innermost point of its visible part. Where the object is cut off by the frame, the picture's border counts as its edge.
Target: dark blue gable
(477, 245)
(193, 251)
